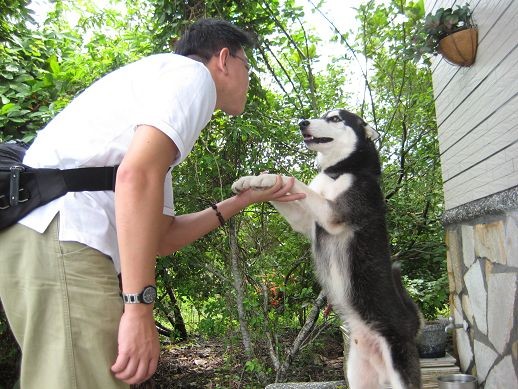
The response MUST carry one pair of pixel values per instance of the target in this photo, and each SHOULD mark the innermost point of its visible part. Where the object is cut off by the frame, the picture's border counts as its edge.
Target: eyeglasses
(245, 62)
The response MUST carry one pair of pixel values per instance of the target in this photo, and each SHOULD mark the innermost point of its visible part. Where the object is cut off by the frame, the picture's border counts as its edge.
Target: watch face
(149, 294)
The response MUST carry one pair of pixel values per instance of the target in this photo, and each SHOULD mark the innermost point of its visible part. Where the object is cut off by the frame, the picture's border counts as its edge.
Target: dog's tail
(417, 317)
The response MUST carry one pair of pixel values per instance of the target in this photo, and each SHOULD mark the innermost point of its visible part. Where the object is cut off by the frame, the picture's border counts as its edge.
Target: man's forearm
(138, 200)
(185, 229)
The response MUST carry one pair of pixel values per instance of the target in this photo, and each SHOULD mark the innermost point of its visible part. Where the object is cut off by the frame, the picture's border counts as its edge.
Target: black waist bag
(23, 188)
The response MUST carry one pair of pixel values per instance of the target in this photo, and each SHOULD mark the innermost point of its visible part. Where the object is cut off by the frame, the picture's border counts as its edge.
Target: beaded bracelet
(218, 214)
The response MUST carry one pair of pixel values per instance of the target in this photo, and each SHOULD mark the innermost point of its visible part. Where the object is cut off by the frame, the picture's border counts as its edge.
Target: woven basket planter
(460, 48)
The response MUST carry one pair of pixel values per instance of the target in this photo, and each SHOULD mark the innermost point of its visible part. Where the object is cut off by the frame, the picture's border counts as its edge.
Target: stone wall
(483, 274)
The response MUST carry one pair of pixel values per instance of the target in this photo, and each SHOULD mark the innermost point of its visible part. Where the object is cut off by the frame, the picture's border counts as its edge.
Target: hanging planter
(460, 48)
(449, 32)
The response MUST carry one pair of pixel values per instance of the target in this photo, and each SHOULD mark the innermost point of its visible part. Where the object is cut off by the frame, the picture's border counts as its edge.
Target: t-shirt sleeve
(179, 101)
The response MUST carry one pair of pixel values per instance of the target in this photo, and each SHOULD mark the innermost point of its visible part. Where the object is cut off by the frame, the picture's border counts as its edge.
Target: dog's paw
(261, 182)
(242, 184)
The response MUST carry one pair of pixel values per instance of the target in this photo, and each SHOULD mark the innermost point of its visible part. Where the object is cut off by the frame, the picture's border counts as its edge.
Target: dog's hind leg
(404, 369)
(361, 373)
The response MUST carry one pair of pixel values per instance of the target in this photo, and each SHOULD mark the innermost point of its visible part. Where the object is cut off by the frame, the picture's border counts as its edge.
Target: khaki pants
(63, 305)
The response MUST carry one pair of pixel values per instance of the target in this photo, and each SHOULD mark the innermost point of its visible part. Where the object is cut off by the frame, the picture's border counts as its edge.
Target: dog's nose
(304, 124)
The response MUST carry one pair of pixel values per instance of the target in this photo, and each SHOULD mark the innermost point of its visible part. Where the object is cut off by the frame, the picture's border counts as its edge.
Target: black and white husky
(343, 214)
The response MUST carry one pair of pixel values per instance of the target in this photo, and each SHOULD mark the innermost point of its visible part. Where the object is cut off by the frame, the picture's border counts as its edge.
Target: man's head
(219, 45)
(206, 37)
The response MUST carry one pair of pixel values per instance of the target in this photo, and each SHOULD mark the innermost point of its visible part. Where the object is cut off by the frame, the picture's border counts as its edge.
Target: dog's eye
(334, 119)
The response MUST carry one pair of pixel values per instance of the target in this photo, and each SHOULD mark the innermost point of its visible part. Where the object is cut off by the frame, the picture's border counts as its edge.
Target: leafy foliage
(13, 18)
(447, 21)
(44, 67)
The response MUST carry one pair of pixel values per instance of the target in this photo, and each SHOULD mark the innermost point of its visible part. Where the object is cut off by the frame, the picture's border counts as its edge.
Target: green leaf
(54, 65)
(8, 107)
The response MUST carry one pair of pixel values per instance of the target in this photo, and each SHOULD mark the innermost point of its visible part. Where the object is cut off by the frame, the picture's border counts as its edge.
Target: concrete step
(431, 368)
(309, 385)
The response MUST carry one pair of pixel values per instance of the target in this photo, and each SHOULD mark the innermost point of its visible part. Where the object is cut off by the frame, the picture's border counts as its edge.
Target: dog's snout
(304, 124)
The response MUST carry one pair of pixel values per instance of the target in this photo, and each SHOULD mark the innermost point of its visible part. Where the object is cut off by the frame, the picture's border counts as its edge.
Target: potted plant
(432, 340)
(431, 298)
(451, 33)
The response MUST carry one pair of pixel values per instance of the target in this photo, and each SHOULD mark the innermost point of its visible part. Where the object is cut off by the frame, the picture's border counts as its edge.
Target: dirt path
(212, 364)
(218, 364)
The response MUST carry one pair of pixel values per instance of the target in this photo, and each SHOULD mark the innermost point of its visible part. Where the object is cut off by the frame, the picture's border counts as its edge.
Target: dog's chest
(330, 188)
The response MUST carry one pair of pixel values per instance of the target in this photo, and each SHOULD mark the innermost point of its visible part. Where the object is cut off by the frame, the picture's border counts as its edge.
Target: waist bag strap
(90, 178)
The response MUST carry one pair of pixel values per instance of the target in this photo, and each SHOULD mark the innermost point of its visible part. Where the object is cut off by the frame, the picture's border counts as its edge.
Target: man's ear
(222, 58)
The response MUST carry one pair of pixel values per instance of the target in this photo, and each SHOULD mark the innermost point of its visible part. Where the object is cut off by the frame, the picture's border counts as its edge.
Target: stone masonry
(483, 275)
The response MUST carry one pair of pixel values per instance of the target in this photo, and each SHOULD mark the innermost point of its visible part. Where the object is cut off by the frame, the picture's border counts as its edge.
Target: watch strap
(131, 298)
(146, 296)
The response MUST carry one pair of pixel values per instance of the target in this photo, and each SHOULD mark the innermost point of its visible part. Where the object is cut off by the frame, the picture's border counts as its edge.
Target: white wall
(477, 107)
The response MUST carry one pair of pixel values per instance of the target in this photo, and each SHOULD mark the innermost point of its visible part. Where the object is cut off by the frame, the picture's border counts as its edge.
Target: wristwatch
(147, 296)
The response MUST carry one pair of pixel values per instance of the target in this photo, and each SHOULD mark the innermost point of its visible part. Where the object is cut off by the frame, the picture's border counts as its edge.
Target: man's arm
(139, 200)
(185, 229)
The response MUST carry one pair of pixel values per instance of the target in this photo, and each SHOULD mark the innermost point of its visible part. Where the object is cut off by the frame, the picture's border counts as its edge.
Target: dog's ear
(370, 132)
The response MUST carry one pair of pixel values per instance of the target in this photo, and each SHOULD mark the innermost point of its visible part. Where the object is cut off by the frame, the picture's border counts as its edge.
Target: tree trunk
(303, 334)
(176, 319)
(272, 341)
(240, 298)
(238, 286)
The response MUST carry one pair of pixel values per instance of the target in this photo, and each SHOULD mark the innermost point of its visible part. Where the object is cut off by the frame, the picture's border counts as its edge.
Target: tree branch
(303, 333)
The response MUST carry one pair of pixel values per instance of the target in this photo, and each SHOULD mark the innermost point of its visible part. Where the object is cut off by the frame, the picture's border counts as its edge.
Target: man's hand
(265, 188)
(139, 347)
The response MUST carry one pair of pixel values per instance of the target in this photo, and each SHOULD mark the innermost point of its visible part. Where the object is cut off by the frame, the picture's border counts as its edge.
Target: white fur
(330, 153)
(329, 188)
(371, 133)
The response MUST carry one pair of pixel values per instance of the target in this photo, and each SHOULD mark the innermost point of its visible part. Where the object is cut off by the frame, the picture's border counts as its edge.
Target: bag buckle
(14, 186)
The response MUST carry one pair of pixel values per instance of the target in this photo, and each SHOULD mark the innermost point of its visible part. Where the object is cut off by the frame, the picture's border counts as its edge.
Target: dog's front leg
(296, 215)
(301, 214)
(320, 208)
(293, 211)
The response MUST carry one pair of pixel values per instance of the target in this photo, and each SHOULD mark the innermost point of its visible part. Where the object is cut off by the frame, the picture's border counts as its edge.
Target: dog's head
(336, 135)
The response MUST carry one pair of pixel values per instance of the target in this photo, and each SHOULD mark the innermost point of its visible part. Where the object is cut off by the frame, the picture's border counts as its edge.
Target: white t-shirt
(170, 92)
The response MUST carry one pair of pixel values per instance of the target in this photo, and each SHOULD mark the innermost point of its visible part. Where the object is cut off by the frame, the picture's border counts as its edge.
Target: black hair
(207, 37)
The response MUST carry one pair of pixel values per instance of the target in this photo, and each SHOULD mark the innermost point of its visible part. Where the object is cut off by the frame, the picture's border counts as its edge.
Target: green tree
(44, 67)
(14, 18)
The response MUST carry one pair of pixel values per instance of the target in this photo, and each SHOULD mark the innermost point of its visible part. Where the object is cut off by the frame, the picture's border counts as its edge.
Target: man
(59, 265)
